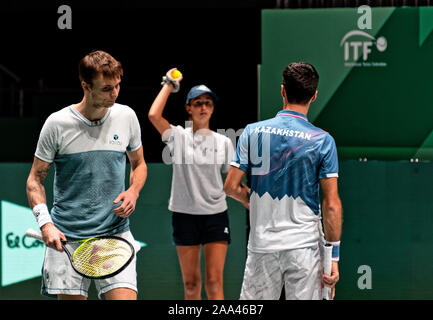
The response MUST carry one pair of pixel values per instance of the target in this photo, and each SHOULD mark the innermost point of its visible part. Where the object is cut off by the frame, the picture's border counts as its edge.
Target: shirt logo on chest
(115, 140)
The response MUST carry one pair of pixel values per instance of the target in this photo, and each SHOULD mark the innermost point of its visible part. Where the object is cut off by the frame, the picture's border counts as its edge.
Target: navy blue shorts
(193, 229)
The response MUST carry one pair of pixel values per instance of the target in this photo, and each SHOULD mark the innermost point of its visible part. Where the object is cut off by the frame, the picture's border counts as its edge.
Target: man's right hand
(52, 236)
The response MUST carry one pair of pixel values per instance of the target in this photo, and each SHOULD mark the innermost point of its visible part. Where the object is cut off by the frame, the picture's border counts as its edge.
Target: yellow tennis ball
(176, 74)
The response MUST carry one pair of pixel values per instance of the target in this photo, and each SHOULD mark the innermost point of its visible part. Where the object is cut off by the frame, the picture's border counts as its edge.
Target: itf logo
(357, 45)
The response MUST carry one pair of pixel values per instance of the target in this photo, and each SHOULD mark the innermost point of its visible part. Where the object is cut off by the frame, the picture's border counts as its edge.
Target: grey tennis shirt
(90, 160)
(198, 160)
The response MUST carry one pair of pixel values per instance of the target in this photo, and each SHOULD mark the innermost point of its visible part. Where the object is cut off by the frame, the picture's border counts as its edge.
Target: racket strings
(100, 257)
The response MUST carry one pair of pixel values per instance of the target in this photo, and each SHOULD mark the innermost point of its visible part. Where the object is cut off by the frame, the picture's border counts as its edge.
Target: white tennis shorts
(299, 270)
(58, 276)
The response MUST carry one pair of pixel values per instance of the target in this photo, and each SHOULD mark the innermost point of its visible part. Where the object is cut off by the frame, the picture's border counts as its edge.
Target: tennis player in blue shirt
(289, 159)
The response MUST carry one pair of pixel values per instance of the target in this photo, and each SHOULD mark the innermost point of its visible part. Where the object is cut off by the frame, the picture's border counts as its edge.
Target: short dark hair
(98, 62)
(300, 80)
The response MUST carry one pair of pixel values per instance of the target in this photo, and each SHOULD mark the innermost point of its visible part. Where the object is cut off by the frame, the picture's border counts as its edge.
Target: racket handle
(34, 234)
(327, 267)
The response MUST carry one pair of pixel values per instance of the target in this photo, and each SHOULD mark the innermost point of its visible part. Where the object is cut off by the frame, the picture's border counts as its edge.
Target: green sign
(21, 256)
(375, 87)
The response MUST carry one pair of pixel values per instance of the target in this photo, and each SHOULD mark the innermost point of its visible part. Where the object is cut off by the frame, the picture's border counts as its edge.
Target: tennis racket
(98, 257)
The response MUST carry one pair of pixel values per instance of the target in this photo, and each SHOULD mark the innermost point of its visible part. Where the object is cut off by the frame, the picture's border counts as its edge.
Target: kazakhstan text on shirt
(283, 132)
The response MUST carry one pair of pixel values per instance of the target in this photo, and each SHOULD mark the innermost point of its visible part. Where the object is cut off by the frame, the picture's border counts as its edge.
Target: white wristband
(335, 249)
(42, 214)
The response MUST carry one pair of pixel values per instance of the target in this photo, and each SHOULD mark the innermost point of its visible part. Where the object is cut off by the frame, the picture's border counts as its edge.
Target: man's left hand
(129, 199)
